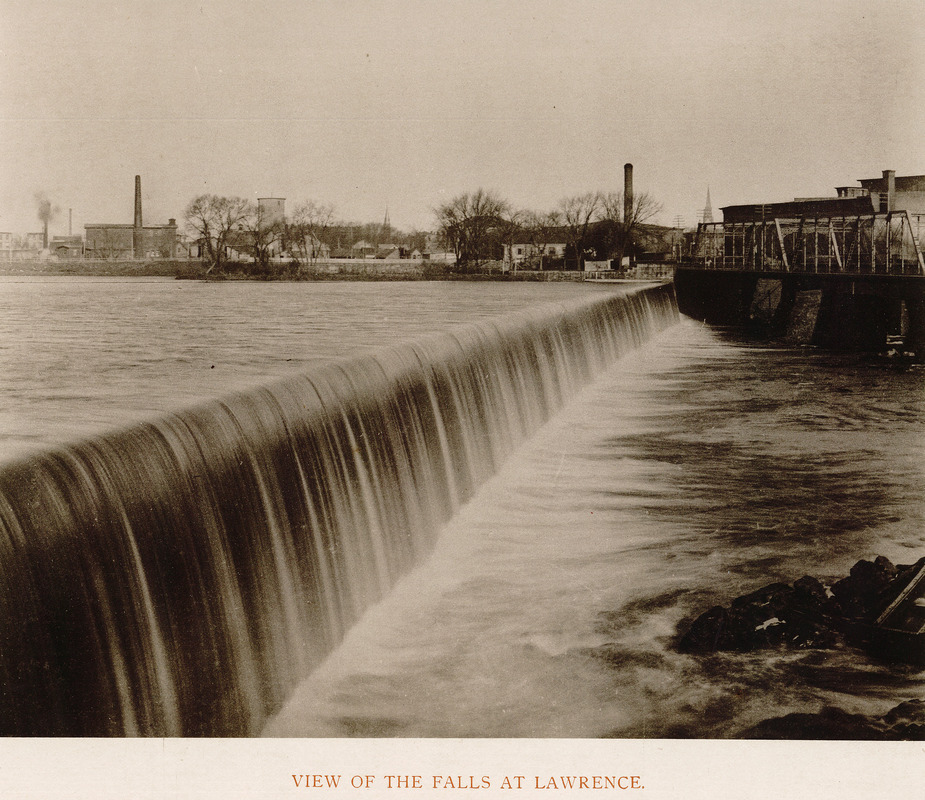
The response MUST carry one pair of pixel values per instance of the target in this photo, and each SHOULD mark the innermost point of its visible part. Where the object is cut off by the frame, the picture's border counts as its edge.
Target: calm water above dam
(83, 355)
(689, 471)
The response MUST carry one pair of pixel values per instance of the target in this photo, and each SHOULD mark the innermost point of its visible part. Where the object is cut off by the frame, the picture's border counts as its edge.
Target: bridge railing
(866, 244)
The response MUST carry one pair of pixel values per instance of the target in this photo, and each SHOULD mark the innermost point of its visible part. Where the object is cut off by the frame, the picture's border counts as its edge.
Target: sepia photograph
(400, 397)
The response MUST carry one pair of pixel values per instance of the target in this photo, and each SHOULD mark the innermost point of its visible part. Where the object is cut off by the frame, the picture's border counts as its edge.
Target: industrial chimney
(137, 240)
(889, 185)
(627, 192)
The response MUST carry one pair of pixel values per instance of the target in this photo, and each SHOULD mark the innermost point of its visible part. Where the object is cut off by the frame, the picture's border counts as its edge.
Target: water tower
(271, 210)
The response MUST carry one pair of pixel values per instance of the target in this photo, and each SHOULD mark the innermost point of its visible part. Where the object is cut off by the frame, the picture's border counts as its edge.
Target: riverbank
(128, 269)
(368, 270)
(335, 270)
(340, 270)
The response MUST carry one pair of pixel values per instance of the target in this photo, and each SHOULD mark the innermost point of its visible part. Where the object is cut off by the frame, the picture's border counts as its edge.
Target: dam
(180, 576)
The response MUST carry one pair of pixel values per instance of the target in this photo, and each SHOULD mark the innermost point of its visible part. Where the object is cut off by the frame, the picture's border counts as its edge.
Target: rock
(911, 711)
(772, 616)
(802, 615)
(883, 564)
(706, 633)
(829, 723)
(859, 595)
(809, 593)
(772, 596)
(905, 722)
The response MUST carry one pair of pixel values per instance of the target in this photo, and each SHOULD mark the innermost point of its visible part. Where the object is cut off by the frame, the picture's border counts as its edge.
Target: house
(392, 252)
(65, 247)
(364, 249)
(896, 193)
(526, 250)
(35, 241)
(435, 250)
(312, 248)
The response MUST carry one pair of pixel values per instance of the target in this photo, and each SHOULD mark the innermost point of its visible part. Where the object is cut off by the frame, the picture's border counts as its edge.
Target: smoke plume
(45, 210)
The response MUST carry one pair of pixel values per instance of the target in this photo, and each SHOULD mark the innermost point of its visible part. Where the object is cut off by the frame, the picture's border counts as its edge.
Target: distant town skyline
(401, 105)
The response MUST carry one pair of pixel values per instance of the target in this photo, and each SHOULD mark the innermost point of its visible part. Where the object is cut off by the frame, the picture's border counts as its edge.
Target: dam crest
(179, 577)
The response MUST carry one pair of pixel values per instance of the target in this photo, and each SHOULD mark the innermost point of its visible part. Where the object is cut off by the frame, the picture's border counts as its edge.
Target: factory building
(896, 193)
(135, 240)
(887, 193)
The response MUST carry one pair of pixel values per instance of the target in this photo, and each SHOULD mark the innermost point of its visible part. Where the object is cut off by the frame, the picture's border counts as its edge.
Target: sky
(402, 105)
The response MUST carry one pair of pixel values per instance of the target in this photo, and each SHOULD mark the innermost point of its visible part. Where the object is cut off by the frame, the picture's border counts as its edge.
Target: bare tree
(307, 230)
(578, 212)
(261, 234)
(469, 224)
(213, 219)
(542, 230)
(626, 230)
(509, 225)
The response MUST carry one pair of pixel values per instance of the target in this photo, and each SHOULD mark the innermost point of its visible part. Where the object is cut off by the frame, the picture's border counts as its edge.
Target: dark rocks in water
(860, 594)
(905, 722)
(775, 615)
(804, 615)
(908, 719)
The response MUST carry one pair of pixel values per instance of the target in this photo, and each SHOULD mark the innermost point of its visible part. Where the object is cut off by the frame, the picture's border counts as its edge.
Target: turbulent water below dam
(493, 527)
(696, 469)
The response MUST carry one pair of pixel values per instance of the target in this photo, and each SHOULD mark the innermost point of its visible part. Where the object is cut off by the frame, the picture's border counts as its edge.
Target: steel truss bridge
(865, 244)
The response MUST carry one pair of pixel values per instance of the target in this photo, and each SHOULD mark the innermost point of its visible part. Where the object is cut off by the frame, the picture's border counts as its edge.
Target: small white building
(521, 253)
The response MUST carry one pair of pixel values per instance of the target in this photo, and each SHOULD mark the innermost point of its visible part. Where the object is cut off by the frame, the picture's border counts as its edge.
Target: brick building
(107, 240)
(112, 241)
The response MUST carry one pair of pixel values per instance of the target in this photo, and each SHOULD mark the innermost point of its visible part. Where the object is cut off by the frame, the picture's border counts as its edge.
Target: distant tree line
(224, 228)
(478, 226)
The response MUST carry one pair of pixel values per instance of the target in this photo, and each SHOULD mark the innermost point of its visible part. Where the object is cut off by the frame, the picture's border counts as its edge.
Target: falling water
(180, 577)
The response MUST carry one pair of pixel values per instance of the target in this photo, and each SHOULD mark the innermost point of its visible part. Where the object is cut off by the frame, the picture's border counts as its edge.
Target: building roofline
(127, 225)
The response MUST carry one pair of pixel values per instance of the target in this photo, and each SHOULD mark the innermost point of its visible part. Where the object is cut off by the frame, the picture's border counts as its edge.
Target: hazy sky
(403, 104)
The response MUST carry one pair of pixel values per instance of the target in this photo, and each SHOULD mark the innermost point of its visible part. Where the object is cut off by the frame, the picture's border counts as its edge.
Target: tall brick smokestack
(137, 244)
(627, 192)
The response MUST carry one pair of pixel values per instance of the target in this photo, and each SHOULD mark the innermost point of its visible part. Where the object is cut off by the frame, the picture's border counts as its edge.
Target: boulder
(772, 616)
(804, 615)
(860, 595)
(905, 722)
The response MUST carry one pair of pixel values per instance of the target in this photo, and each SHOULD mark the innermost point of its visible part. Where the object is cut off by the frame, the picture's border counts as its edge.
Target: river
(695, 469)
(83, 355)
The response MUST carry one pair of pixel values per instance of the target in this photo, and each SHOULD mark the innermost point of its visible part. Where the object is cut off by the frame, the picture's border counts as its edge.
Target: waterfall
(179, 577)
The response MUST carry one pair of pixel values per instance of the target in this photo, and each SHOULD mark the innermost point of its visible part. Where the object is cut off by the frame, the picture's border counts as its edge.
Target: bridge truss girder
(865, 244)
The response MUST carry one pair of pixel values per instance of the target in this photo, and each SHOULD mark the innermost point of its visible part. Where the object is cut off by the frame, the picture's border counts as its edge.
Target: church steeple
(386, 225)
(708, 208)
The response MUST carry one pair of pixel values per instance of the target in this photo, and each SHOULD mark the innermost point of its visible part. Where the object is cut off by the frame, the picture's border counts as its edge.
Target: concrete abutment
(864, 313)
